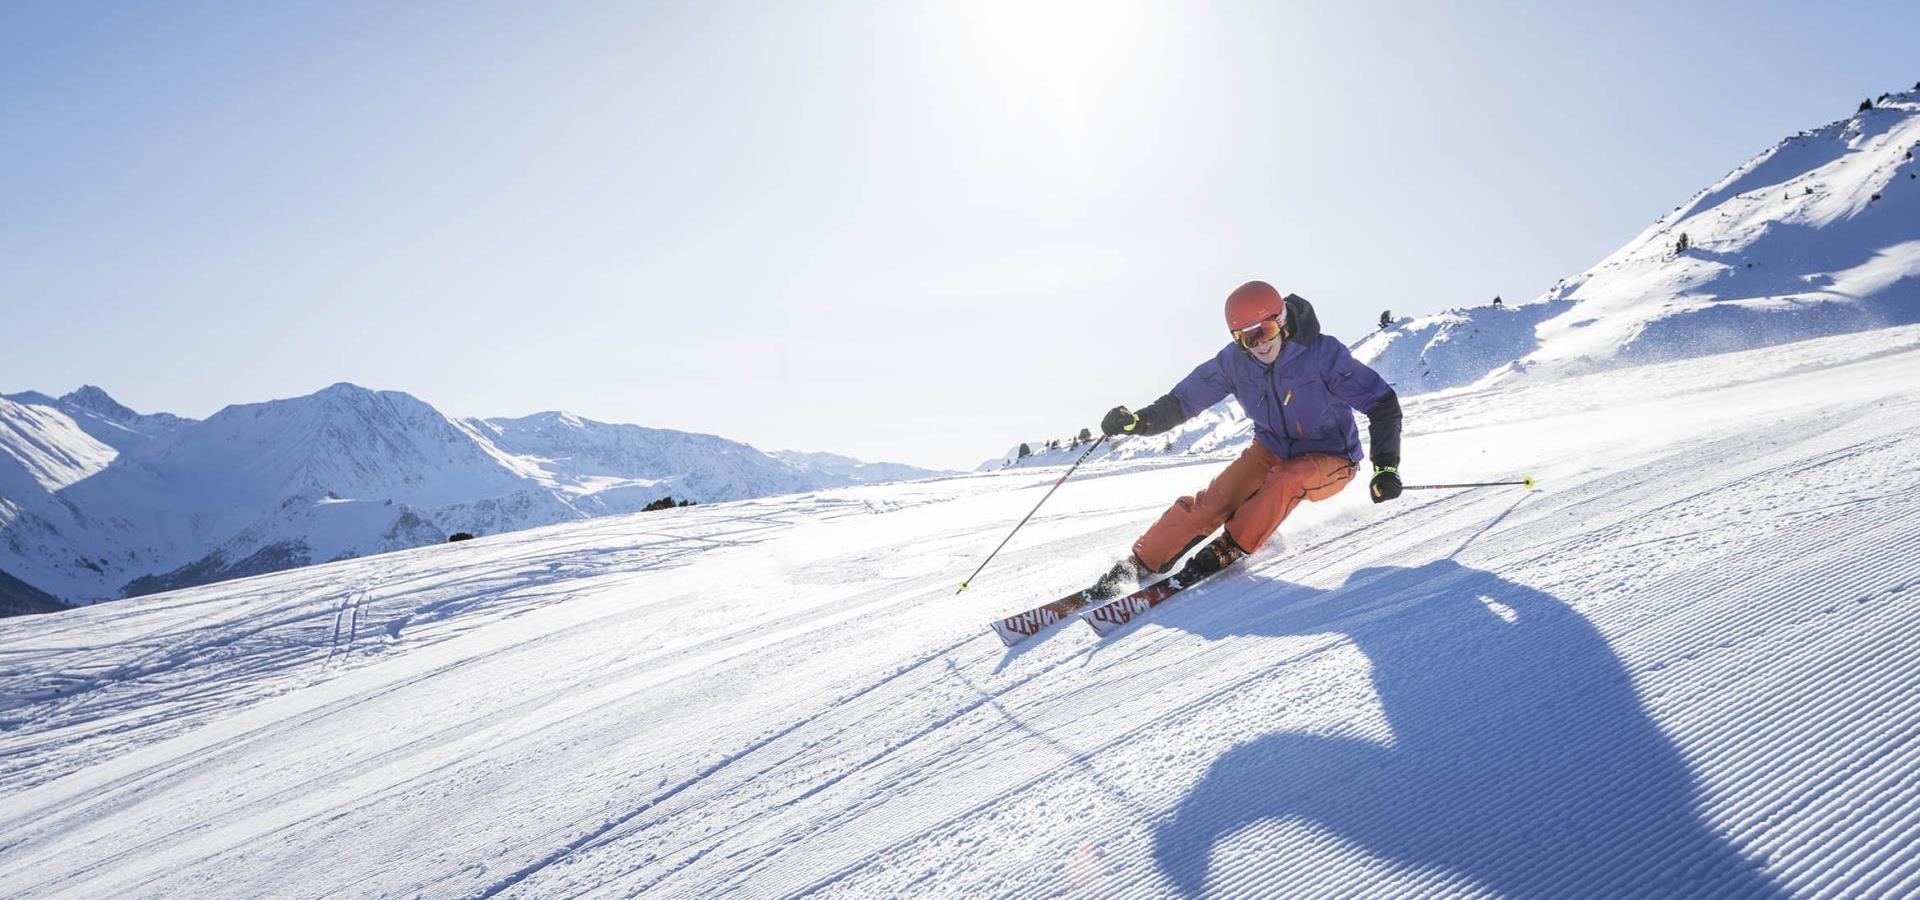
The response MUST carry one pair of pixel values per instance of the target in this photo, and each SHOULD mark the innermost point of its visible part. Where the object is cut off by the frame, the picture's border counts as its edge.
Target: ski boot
(1124, 575)
(1218, 554)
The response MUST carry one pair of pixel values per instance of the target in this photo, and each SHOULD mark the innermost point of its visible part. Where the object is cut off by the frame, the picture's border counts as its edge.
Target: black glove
(1386, 484)
(1119, 420)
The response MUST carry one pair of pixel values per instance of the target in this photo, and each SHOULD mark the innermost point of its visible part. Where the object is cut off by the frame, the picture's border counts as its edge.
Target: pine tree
(1682, 245)
(1865, 105)
(1025, 451)
(1386, 319)
(1086, 434)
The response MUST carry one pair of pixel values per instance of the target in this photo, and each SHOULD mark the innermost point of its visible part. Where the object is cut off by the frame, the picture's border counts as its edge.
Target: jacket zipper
(1286, 429)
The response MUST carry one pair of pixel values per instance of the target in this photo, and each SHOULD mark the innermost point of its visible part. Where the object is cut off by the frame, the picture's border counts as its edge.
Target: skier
(1300, 388)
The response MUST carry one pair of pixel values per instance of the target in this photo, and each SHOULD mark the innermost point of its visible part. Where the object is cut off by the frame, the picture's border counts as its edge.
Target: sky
(915, 232)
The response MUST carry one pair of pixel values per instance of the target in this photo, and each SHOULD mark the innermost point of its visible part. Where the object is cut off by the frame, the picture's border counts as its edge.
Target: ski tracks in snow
(616, 828)
(346, 628)
(1618, 546)
(347, 623)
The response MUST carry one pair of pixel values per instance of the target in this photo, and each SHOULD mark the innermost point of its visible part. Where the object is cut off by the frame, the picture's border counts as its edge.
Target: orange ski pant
(1252, 496)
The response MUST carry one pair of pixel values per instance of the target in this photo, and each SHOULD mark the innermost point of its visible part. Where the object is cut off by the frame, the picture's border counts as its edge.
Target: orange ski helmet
(1252, 304)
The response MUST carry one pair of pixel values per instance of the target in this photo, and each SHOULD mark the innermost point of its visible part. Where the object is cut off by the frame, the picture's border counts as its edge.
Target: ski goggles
(1258, 333)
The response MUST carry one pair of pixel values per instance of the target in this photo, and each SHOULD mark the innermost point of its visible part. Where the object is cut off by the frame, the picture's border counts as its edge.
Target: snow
(44, 451)
(1814, 236)
(97, 500)
(1682, 667)
(848, 470)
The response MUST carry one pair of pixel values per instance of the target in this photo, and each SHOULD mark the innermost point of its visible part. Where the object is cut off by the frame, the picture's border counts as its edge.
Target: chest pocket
(1307, 408)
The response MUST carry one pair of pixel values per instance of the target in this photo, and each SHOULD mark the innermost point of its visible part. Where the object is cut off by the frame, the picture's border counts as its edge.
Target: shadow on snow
(1520, 755)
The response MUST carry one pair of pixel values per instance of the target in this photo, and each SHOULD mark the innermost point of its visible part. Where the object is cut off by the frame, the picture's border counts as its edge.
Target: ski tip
(1007, 635)
(1100, 626)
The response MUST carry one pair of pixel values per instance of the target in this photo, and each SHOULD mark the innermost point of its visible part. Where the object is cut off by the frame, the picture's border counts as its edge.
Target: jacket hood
(1302, 324)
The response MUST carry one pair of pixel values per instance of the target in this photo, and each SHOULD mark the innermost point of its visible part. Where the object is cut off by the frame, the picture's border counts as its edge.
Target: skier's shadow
(1520, 755)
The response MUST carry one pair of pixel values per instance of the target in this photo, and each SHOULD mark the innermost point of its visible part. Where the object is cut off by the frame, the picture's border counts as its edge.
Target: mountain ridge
(99, 501)
(1818, 234)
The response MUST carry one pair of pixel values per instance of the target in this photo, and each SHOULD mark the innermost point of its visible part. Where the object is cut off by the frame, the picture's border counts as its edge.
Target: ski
(1016, 628)
(1108, 617)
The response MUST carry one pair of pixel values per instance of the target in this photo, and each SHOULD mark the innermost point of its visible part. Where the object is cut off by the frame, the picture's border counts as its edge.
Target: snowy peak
(345, 440)
(1814, 235)
(1819, 234)
(105, 419)
(93, 399)
(1872, 143)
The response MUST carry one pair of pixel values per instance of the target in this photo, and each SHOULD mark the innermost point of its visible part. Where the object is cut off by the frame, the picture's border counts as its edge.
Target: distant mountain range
(1818, 235)
(98, 501)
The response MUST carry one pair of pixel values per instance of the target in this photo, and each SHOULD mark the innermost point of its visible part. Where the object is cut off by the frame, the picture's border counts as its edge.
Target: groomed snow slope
(1684, 666)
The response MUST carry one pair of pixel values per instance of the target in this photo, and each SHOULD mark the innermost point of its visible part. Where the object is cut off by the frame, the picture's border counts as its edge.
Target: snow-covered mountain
(1648, 678)
(97, 500)
(104, 419)
(1818, 235)
(607, 468)
(847, 469)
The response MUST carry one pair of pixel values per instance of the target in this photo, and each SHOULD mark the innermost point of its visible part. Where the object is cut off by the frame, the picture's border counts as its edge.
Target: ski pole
(1528, 481)
(1036, 508)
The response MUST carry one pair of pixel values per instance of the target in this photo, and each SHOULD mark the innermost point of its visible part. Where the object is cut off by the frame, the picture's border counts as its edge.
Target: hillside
(1819, 234)
(1654, 676)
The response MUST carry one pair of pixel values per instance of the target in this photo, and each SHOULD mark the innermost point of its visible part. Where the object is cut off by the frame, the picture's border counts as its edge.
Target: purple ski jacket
(1303, 403)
